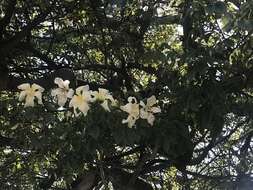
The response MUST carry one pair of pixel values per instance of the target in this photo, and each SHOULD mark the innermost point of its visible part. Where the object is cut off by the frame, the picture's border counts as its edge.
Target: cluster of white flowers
(146, 112)
(81, 98)
(29, 92)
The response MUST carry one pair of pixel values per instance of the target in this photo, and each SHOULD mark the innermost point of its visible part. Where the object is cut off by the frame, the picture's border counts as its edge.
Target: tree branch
(7, 46)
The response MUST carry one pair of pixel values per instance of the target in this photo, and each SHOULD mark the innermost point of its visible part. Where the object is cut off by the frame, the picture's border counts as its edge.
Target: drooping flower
(81, 100)
(147, 111)
(29, 92)
(103, 95)
(63, 92)
(132, 108)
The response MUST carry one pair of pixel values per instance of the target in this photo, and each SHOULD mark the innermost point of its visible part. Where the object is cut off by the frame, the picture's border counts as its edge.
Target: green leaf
(93, 131)
(218, 8)
(245, 24)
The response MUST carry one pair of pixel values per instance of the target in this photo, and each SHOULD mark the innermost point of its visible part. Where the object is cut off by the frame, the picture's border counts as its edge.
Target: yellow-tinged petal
(109, 97)
(29, 101)
(74, 101)
(80, 100)
(103, 95)
(29, 92)
(22, 96)
(38, 95)
(130, 121)
(94, 96)
(24, 86)
(103, 91)
(84, 108)
(115, 103)
(82, 89)
(135, 110)
(37, 87)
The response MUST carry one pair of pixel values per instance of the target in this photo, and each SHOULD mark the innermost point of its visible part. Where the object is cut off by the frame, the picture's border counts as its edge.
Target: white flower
(147, 110)
(29, 92)
(63, 92)
(132, 108)
(103, 95)
(81, 100)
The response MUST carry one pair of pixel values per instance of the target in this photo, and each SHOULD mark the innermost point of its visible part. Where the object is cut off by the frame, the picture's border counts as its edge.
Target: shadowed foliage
(195, 56)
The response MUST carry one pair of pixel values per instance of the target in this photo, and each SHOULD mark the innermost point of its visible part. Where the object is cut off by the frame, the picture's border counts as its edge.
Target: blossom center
(80, 99)
(30, 92)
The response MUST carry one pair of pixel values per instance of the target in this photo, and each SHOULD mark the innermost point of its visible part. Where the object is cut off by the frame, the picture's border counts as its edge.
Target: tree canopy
(194, 56)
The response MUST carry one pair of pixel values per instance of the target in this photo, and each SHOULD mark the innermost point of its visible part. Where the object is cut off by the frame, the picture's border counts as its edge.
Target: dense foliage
(194, 56)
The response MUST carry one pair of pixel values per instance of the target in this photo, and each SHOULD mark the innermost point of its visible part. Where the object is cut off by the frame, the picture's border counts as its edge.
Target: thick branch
(87, 181)
(8, 45)
(6, 141)
(120, 180)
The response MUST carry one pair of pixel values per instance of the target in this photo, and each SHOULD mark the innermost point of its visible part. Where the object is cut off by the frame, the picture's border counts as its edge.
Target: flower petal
(22, 96)
(127, 108)
(84, 108)
(125, 121)
(70, 93)
(29, 101)
(38, 95)
(135, 110)
(82, 89)
(130, 121)
(62, 99)
(66, 84)
(24, 86)
(103, 91)
(62, 84)
(59, 82)
(87, 96)
(131, 99)
(142, 104)
(73, 101)
(151, 119)
(94, 96)
(156, 109)
(56, 91)
(143, 114)
(37, 87)
(105, 106)
(114, 103)
(109, 97)
(151, 101)
(94, 93)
